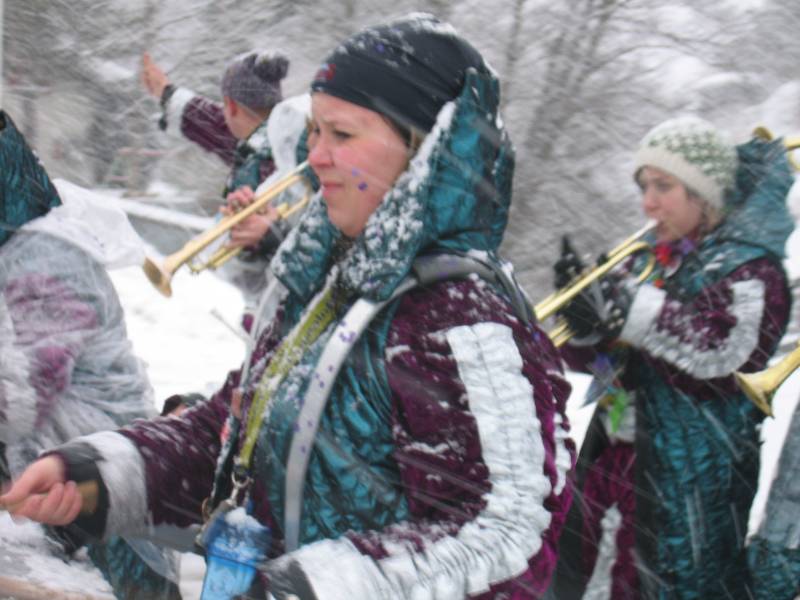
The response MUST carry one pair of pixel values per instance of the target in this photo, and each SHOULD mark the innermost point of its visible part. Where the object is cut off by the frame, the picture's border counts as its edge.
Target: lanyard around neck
(288, 354)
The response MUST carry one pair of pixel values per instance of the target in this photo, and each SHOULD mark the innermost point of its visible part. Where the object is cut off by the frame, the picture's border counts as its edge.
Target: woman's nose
(319, 153)
(649, 199)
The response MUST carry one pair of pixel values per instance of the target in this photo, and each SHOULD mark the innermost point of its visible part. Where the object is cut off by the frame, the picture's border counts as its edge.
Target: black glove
(599, 312)
(568, 266)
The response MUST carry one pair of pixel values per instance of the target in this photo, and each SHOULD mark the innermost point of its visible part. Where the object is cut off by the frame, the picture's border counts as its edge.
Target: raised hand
(153, 77)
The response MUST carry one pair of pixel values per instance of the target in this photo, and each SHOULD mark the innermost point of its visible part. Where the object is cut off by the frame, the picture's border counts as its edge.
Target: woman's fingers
(152, 76)
(61, 505)
(240, 198)
(250, 231)
(66, 507)
(75, 507)
(38, 478)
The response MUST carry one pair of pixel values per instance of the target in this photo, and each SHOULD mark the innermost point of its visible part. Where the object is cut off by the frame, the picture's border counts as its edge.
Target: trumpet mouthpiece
(158, 277)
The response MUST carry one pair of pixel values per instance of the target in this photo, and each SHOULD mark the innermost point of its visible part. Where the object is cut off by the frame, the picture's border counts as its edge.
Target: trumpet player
(237, 131)
(670, 462)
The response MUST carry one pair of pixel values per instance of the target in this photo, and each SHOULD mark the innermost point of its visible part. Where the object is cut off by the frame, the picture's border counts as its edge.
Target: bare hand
(153, 77)
(42, 494)
(238, 199)
(252, 229)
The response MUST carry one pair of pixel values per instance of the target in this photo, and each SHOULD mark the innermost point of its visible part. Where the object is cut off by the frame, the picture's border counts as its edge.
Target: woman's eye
(663, 187)
(341, 135)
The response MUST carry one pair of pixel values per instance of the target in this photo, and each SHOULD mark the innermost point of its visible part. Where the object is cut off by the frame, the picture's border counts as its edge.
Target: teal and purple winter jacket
(665, 498)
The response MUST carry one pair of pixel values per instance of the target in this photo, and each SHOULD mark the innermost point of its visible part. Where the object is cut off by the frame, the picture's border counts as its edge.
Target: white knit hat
(692, 150)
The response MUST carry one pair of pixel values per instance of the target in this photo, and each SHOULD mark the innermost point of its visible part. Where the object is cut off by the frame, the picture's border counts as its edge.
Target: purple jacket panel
(203, 122)
(438, 446)
(610, 482)
(180, 455)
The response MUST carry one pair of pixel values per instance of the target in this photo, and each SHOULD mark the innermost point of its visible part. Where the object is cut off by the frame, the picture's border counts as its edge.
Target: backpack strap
(426, 270)
(432, 268)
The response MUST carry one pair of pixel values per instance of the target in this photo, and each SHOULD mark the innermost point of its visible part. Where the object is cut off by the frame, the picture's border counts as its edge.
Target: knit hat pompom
(254, 79)
(695, 152)
(270, 66)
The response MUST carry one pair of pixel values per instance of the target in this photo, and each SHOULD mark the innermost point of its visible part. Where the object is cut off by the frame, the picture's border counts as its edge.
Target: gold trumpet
(161, 275)
(760, 387)
(560, 298)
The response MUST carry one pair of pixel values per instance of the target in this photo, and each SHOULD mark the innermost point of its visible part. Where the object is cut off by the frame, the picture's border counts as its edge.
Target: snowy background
(582, 81)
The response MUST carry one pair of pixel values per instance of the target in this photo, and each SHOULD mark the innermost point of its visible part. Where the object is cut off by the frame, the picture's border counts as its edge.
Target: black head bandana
(407, 69)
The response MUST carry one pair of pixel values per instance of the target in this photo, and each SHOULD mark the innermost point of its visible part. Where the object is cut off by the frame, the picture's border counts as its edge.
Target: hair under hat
(695, 152)
(254, 79)
(406, 69)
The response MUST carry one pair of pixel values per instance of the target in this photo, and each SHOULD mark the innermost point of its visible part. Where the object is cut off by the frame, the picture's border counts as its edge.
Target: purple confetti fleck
(362, 186)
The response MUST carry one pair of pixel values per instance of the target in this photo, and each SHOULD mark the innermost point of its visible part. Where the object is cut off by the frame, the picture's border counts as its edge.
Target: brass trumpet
(761, 387)
(161, 275)
(560, 298)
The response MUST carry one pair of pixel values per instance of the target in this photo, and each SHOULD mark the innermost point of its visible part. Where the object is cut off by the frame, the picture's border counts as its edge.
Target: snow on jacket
(677, 477)
(439, 467)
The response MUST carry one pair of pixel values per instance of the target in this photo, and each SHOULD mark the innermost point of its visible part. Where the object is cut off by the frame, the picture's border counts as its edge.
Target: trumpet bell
(761, 387)
(160, 279)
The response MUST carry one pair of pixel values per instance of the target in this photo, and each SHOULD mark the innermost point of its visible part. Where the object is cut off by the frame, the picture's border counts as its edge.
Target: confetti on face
(362, 186)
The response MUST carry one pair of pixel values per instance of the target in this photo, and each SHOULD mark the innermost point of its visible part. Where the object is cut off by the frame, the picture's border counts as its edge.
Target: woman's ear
(231, 106)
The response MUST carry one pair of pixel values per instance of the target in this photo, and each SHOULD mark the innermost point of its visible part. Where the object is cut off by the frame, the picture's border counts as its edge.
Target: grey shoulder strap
(330, 362)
